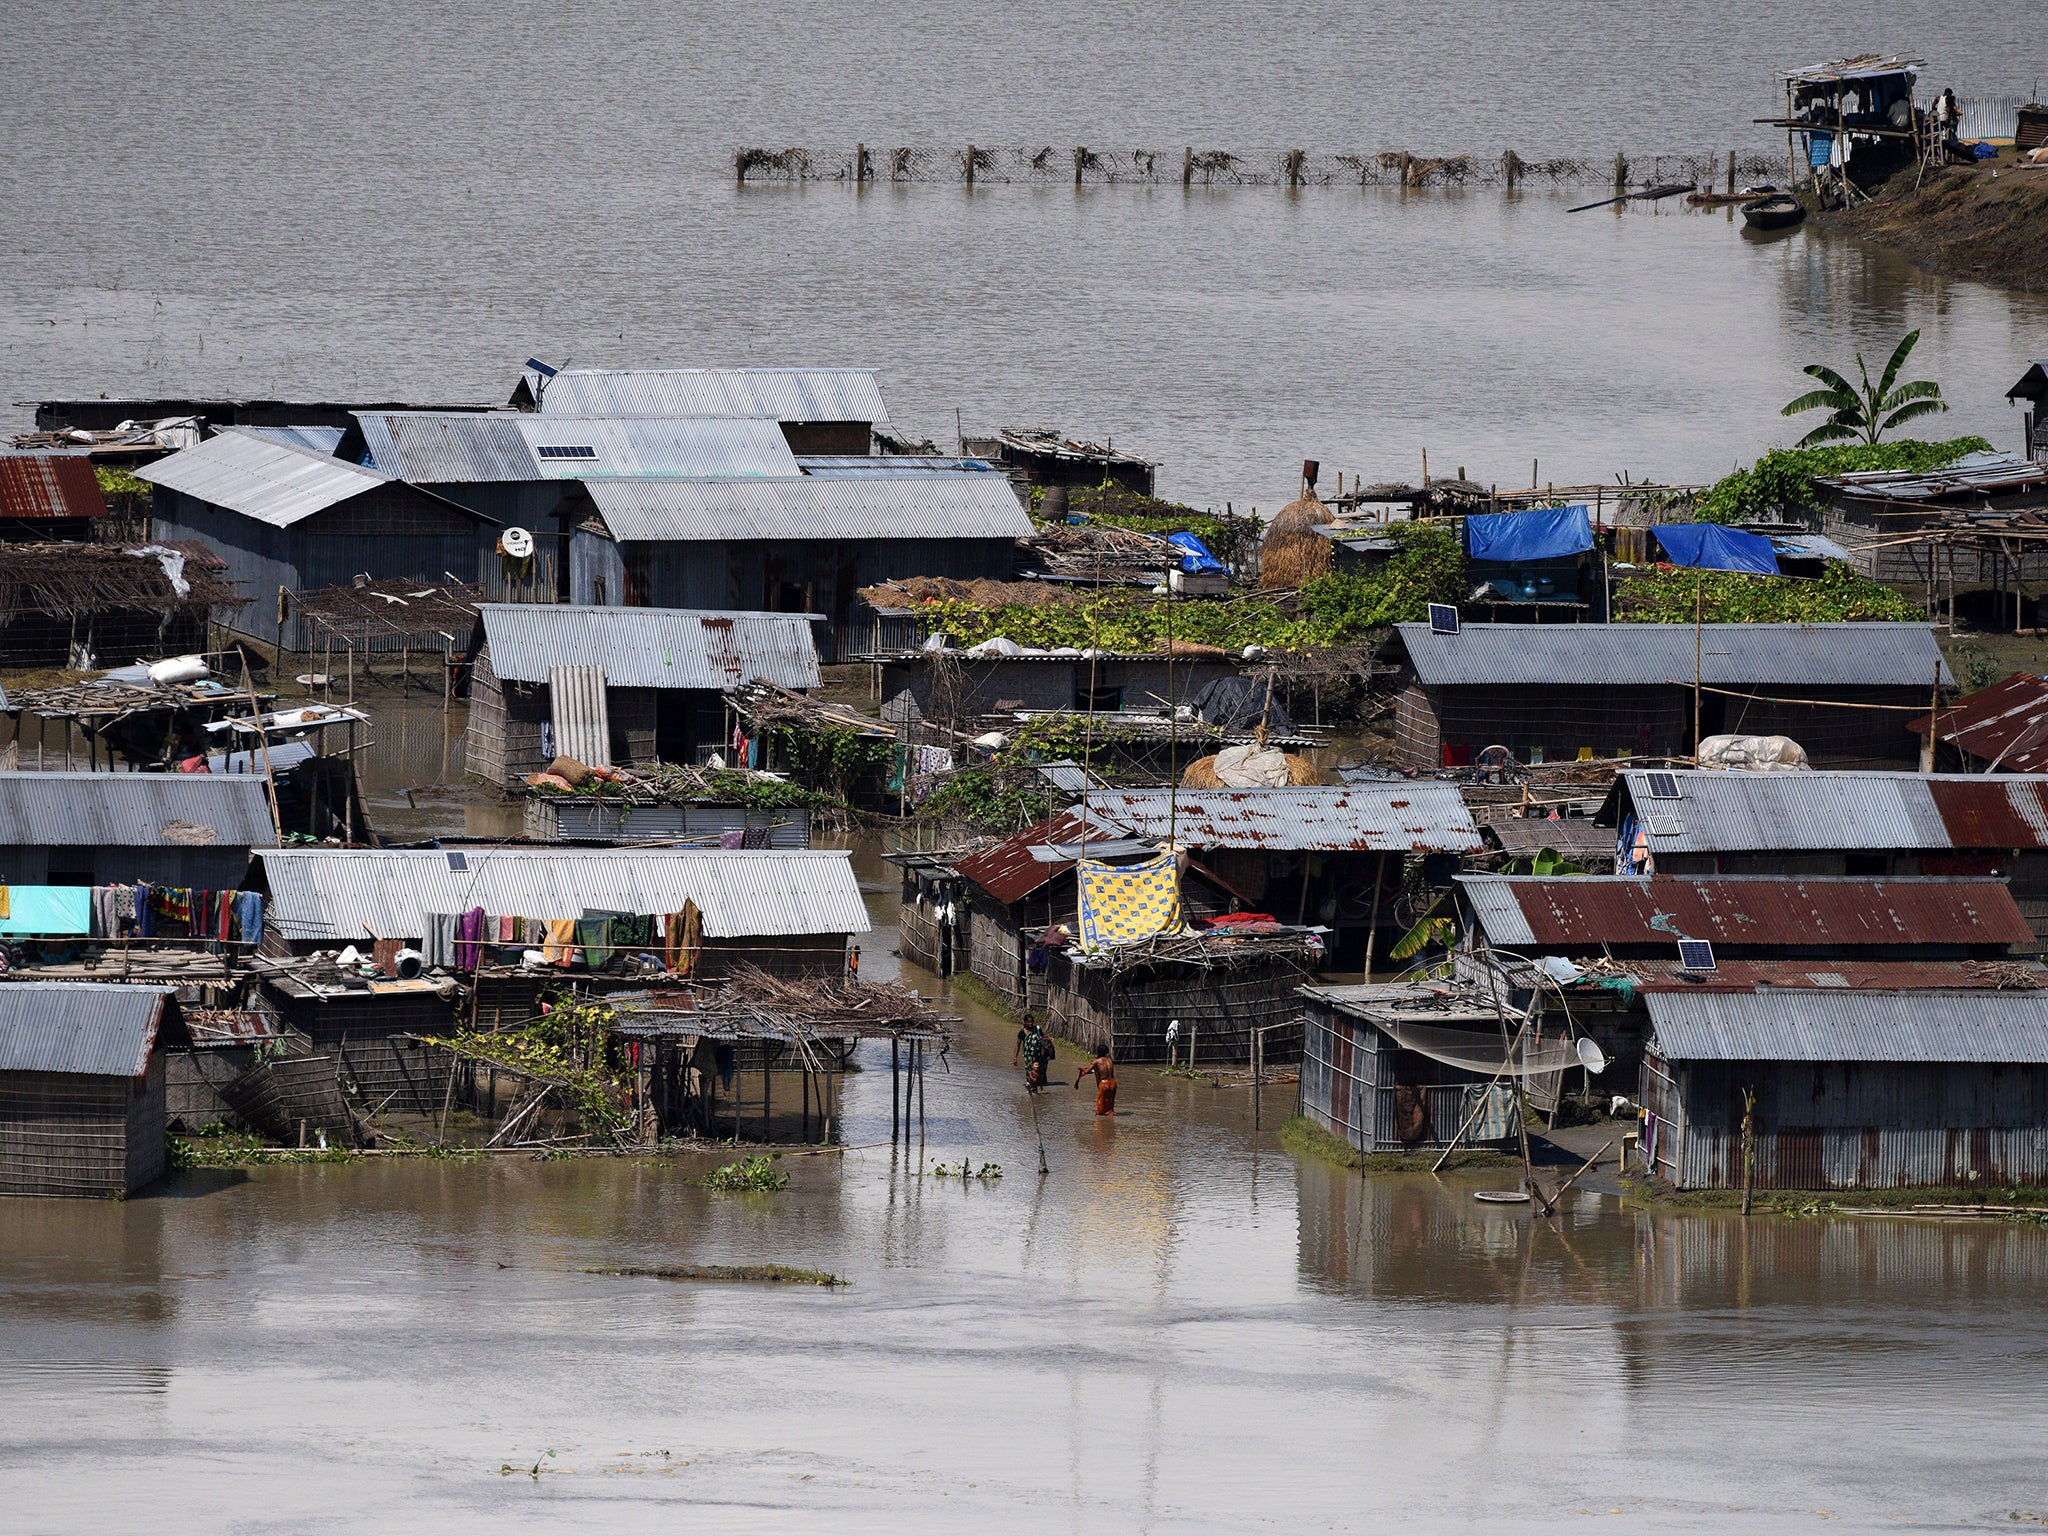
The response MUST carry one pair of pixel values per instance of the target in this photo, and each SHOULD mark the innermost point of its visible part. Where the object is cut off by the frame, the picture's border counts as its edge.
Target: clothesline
(459, 941)
(138, 911)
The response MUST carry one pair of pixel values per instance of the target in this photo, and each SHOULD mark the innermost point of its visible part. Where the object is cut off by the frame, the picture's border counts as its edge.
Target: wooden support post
(895, 1069)
(1407, 163)
(1731, 170)
(860, 165)
(1511, 169)
(739, 171)
(1187, 166)
(1621, 173)
(1080, 159)
(970, 165)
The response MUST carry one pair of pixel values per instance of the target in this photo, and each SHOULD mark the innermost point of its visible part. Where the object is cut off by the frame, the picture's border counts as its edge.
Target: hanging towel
(105, 925)
(3, 901)
(560, 948)
(508, 930)
(469, 939)
(249, 916)
(438, 946)
(594, 938)
(145, 911)
(685, 939)
(735, 839)
(755, 837)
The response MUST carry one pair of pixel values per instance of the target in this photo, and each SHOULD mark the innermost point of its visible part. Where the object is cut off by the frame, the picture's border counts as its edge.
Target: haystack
(1293, 552)
(1249, 767)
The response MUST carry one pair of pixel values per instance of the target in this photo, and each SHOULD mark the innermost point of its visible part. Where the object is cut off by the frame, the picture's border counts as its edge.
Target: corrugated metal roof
(849, 467)
(1009, 871)
(2033, 384)
(1396, 817)
(2006, 724)
(1876, 655)
(457, 447)
(1840, 971)
(583, 723)
(312, 439)
(1589, 910)
(1865, 66)
(919, 506)
(273, 482)
(1834, 1025)
(94, 1028)
(1576, 837)
(49, 485)
(1727, 812)
(773, 394)
(1970, 474)
(134, 810)
(331, 893)
(651, 647)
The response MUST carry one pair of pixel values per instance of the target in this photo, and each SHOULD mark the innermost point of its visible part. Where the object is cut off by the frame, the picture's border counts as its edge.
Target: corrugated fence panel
(583, 726)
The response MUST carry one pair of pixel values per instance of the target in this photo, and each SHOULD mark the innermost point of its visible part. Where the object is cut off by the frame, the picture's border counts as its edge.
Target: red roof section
(2004, 722)
(49, 485)
(1008, 872)
(1589, 910)
(1993, 811)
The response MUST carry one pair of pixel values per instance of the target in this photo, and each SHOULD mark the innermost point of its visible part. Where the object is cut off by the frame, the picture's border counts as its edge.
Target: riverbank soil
(1986, 222)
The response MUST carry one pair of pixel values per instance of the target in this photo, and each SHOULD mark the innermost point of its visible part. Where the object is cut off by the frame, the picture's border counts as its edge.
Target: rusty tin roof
(2006, 723)
(1579, 911)
(49, 485)
(1394, 816)
(1009, 871)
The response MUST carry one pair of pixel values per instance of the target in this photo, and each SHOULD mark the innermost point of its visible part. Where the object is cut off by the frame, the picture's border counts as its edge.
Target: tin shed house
(82, 1086)
(1550, 692)
(616, 687)
(182, 829)
(818, 410)
(1853, 1089)
(285, 517)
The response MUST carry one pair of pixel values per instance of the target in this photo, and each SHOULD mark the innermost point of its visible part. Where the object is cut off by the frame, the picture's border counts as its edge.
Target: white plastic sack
(1252, 766)
(1756, 754)
(1000, 645)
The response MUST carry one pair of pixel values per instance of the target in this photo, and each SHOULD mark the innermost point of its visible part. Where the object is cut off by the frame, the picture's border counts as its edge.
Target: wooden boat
(1780, 210)
(1720, 199)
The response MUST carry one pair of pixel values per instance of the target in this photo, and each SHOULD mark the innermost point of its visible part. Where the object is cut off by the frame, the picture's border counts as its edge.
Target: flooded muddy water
(1178, 1329)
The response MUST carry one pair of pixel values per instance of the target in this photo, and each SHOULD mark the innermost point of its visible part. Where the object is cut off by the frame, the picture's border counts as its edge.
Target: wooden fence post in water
(970, 165)
(1621, 173)
(739, 167)
(1295, 160)
(860, 165)
(1187, 166)
(1080, 159)
(1407, 161)
(1731, 170)
(1511, 169)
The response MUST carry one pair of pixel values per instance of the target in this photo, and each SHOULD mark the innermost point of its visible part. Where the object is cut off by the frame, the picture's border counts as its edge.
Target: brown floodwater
(1178, 1329)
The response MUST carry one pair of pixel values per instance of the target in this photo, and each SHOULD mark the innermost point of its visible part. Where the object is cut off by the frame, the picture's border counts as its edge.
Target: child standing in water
(1105, 1082)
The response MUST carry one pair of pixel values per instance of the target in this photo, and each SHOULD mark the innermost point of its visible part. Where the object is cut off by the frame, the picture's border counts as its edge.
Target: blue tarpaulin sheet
(1195, 558)
(47, 909)
(1545, 534)
(1715, 548)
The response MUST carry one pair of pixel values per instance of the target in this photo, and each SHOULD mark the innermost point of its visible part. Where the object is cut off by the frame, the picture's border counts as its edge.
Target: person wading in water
(1105, 1082)
(1034, 1051)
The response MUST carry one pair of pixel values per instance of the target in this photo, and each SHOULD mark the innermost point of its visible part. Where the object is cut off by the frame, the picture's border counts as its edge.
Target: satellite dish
(518, 543)
(1591, 1057)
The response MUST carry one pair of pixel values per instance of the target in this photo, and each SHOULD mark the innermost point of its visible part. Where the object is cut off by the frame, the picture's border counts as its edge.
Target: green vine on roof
(1736, 597)
(1781, 482)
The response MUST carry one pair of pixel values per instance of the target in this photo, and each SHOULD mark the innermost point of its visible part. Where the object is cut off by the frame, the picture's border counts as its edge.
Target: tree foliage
(1864, 409)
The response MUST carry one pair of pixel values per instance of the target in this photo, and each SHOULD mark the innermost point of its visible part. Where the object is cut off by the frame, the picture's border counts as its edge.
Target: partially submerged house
(1868, 1089)
(82, 1086)
(284, 518)
(2033, 389)
(1552, 692)
(1706, 822)
(1614, 938)
(1393, 1066)
(613, 687)
(793, 912)
(1336, 855)
(806, 544)
(819, 410)
(88, 829)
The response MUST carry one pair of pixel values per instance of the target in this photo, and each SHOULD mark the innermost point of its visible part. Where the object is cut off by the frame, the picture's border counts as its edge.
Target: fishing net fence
(1051, 165)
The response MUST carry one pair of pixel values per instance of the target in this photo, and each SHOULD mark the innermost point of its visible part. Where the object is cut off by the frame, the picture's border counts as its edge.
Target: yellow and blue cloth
(1123, 903)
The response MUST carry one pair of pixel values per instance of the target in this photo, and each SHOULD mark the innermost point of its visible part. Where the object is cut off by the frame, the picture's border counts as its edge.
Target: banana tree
(1867, 411)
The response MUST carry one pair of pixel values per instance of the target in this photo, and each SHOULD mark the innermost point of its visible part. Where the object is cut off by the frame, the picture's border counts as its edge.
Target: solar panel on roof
(1443, 619)
(566, 451)
(1696, 954)
(458, 862)
(1663, 786)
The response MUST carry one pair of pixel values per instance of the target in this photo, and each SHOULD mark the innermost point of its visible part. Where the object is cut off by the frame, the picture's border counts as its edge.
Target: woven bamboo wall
(66, 1134)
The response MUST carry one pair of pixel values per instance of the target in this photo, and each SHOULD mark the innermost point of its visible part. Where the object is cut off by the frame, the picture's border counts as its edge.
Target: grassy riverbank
(2023, 1202)
(1303, 1138)
(1987, 222)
